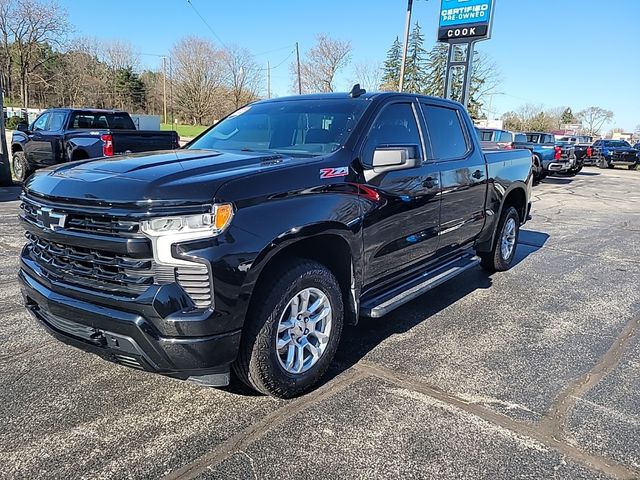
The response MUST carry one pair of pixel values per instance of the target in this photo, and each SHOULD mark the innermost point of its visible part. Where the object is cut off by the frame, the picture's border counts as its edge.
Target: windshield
(616, 143)
(295, 127)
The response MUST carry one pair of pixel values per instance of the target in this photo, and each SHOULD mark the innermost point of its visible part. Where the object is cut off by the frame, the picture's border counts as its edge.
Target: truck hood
(164, 177)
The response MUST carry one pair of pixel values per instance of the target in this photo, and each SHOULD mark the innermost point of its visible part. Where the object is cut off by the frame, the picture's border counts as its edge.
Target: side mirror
(22, 127)
(394, 157)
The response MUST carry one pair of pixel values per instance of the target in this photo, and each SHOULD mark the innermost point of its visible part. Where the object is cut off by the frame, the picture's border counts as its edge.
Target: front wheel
(633, 167)
(503, 252)
(293, 329)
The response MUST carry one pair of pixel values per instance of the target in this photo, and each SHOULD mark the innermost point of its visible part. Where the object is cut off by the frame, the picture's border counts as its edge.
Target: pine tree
(436, 69)
(391, 68)
(415, 72)
(567, 116)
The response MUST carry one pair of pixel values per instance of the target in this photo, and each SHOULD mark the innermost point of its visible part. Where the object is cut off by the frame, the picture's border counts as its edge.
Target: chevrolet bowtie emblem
(51, 220)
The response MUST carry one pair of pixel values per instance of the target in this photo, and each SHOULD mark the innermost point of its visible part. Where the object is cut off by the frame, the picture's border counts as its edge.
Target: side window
(446, 132)
(56, 122)
(41, 122)
(395, 126)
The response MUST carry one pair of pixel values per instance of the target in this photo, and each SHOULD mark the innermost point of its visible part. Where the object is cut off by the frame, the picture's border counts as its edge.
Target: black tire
(537, 168)
(258, 364)
(494, 261)
(633, 167)
(601, 162)
(21, 168)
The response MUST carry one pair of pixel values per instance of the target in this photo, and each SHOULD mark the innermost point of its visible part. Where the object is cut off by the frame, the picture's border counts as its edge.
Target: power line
(207, 24)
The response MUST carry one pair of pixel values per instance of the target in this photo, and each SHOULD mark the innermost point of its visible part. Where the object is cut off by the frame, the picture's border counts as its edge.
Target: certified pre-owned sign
(465, 19)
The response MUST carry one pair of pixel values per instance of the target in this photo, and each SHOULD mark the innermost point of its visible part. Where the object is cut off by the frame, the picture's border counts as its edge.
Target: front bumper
(130, 336)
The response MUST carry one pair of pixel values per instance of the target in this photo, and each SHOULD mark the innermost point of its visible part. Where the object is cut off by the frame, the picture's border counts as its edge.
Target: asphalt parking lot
(532, 373)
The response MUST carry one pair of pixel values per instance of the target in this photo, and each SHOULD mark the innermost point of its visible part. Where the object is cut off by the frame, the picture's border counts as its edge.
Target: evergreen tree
(391, 68)
(436, 69)
(130, 90)
(415, 72)
(567, 116)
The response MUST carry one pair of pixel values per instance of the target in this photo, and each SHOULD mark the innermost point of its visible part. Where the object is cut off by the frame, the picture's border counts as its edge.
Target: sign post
(462, 24)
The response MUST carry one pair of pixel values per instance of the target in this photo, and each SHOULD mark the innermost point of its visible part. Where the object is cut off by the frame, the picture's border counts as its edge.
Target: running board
(383, 304)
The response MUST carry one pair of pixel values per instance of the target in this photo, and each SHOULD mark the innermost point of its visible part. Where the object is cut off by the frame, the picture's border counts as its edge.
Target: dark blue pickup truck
(62, 134)
(609, 153)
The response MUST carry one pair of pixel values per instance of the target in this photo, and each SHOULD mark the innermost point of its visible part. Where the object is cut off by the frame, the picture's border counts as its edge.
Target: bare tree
(530, 117)
(199, 78)
(119, 55)
(322, 62)
(594, 118)
(368, 75)
(31, 26)
(244, 75)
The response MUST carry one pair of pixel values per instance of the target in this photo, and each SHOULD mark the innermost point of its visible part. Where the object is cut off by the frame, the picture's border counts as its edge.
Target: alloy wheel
(303, 330)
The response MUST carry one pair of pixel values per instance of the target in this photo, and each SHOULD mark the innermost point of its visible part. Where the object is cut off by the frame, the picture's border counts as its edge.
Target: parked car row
(565, 156)
(547, 155)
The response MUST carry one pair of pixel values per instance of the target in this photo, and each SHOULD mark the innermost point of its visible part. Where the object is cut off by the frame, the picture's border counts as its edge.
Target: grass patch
(185, 130)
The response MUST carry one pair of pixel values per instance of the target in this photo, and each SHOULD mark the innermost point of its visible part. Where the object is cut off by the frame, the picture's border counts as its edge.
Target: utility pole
(171, 92)
(268, 79)
(164, 87)
(406, 44)
(299, 76)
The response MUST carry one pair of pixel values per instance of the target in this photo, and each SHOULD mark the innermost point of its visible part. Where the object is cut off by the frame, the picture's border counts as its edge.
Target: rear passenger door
(463, 175)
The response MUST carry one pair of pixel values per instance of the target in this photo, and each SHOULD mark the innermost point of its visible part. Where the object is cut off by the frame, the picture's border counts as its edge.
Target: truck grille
(80, 222)
(93, 268)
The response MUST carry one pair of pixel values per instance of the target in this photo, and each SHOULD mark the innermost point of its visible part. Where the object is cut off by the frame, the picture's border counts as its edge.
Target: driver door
(38, 148)
(401, 227)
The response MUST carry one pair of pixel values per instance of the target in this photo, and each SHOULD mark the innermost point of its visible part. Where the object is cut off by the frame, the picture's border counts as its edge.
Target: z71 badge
(334, 172)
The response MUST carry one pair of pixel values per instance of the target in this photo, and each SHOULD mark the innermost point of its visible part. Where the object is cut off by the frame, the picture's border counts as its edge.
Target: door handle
(431, 182)
(477, 174)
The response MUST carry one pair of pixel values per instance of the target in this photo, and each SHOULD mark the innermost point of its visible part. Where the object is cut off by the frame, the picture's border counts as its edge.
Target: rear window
(485, 135)
(506, 137)
(101, 120)
(533, 138)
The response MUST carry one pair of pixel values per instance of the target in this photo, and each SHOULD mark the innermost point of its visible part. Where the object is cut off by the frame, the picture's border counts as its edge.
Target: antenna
(356, 91)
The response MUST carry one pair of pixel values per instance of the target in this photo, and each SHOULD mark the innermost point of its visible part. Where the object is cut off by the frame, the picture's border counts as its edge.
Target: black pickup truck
(63, 134)
(251, 248)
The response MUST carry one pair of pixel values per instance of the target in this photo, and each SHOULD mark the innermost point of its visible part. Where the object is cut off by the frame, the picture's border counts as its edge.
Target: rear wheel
(633, 167)
(537, 168)
(602, 162)
(292, 332)
(21, 168)
(503, 252)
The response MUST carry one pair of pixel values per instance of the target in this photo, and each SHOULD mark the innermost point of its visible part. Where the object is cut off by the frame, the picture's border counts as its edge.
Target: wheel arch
(329, 244)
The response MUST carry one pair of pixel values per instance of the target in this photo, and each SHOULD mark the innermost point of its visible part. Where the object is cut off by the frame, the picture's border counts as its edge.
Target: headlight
(205, 223)
(164, 232)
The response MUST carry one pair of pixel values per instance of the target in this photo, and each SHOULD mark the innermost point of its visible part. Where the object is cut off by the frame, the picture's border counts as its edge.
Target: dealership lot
(532, 373)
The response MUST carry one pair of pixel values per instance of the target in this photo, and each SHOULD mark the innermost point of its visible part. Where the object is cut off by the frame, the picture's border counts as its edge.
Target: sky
(575, 53)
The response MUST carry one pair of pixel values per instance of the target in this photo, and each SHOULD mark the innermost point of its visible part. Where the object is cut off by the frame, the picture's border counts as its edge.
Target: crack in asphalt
(538, 432)
(555, 420)
(241, 440)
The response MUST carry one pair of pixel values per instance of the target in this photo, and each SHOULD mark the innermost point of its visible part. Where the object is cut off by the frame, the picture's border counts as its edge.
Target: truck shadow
(10, 194)
(557, 180)
(358, 341)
